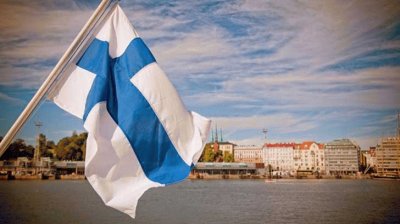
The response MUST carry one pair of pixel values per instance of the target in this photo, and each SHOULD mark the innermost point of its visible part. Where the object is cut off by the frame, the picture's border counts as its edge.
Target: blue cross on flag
(140, 135)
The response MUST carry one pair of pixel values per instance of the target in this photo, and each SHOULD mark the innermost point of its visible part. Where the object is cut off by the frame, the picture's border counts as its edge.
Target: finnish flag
(140, 135)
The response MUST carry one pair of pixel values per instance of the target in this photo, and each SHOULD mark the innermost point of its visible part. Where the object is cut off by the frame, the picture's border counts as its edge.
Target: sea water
(212, 201)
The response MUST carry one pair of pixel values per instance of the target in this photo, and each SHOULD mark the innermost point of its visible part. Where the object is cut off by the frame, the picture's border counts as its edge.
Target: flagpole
(76, 46)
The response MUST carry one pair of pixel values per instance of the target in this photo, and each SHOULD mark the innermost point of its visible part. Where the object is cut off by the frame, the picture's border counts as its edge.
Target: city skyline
(304, 70)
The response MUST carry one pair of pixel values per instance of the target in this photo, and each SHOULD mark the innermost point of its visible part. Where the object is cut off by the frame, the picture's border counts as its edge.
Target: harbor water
(216, 201)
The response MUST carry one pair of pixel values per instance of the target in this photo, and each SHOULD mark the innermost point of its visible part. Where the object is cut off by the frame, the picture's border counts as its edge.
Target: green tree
(60, 148)
(73, 152)
(228, 157)
(16, 149)
(51, 149)
(42, 142)
(72, 148)
(208, 154)
(46, 147)
(83, 136)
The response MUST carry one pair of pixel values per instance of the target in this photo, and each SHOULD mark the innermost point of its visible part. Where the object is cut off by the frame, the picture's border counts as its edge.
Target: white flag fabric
(140, 135)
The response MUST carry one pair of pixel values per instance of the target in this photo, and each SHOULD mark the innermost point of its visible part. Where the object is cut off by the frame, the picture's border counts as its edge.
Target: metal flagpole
(73, 50)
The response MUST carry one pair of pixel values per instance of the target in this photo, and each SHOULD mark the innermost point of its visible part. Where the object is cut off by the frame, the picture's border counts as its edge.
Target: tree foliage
(18, 148)
(228, 157)
(209, 155)
(68, 148)
(46, 147)
(72, 148)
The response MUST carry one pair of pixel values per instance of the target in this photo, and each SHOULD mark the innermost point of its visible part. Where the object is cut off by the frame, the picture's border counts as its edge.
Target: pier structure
(226, 170)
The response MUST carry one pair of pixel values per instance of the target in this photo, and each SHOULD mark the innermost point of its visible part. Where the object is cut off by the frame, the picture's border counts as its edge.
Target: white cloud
(280, 123)
(328, 32)
(372, 88)
(215, 66)
(31, 35)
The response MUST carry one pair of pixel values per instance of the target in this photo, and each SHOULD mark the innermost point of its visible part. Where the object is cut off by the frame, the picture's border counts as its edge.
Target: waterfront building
(218, 143)
(27, 166)
(247, 154)
(279, 156)
(70, 167)
(226, 147)
(388, 157)
(225, 168)
(309, 156)
(342, 157)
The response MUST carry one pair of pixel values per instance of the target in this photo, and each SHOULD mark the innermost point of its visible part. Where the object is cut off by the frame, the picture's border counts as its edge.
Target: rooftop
(307, 144)
(279, 145)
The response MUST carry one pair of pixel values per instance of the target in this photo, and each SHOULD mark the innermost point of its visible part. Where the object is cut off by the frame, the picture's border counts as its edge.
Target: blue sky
(306, 70)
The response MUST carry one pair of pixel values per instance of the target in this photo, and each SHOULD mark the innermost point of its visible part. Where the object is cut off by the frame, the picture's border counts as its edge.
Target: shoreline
(42, 177)
(204, 176)
(310, 177)
(209, 178)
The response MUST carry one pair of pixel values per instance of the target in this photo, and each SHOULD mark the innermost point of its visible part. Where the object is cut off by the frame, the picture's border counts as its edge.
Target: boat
(270, 180)
(386, 177)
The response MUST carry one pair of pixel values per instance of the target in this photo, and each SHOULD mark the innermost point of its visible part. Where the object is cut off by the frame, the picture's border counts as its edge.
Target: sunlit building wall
(342, 157)
(388, 157)
(248, 153)
(310, 156)
(226, 147)
(279, 156)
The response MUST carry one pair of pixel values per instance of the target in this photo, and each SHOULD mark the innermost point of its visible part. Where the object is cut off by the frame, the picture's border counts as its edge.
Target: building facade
(279, 156)
(388, 157)
(371, 157)
(248, 154)
(309, 156)
(224, 168)
(342, 157)
(226, 147)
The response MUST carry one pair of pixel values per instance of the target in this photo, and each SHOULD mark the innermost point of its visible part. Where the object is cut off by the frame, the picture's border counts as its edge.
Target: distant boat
(72, 176)
(392, 177)
(268, 181)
